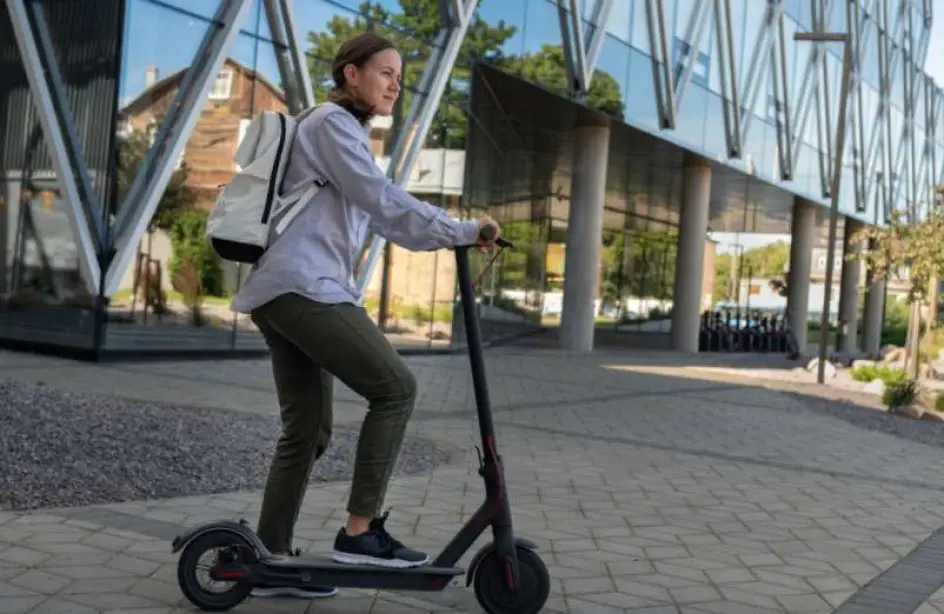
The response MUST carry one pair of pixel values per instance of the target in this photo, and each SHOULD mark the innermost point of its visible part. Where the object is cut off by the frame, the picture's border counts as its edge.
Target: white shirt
(316, 255)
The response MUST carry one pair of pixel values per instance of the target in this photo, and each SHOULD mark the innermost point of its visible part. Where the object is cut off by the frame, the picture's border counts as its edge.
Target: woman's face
(378, 82)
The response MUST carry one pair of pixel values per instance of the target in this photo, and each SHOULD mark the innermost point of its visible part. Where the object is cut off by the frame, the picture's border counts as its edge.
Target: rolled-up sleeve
(347, 163)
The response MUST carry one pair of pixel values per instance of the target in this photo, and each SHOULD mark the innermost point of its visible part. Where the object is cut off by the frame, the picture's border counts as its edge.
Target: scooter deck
(322, 570)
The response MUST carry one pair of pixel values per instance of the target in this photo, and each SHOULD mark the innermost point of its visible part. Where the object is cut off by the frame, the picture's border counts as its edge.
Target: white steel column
(802, 237)
(584, 237)
(689, 267)
(71, 173)
(849, 289)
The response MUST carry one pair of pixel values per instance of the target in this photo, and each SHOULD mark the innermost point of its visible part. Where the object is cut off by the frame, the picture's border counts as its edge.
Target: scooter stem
(474, 340)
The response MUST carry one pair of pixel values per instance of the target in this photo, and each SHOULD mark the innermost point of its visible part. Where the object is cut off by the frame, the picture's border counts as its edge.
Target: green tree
(546, 67)
(414, 26)
(910, 249)
(176, 199)
(721, 290)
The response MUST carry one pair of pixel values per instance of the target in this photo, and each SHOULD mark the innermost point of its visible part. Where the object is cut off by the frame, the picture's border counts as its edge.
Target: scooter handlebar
(488, 232)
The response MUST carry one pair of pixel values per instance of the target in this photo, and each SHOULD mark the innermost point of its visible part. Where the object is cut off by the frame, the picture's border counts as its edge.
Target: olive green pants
(309, 343)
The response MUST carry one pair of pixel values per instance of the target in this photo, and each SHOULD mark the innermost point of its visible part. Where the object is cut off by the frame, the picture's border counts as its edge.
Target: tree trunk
(932, 304)
(913, 340)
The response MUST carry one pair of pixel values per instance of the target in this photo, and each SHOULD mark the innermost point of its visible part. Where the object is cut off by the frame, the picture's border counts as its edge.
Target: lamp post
(830, 37)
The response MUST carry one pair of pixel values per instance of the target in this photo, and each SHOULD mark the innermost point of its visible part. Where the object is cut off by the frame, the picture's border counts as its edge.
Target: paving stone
(804, 603)
(8, 589)
(584, 606)
(57, 605)
(729, 575)
(639, 486)
(732, 607)
(656, 609)
(19, 605)
(694, 594)
(588, 585)
(20, 556)
(41, 582)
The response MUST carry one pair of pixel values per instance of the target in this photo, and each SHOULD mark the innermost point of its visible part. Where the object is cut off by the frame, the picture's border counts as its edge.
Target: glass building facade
(94, 261)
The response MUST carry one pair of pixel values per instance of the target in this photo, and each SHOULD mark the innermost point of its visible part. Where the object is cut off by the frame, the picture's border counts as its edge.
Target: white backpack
(240, 225)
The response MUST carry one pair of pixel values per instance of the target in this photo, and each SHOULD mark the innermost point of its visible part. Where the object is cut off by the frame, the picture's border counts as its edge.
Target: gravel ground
(61, 449)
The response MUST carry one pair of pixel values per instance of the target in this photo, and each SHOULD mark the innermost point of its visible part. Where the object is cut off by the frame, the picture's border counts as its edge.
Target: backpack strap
(294, 204)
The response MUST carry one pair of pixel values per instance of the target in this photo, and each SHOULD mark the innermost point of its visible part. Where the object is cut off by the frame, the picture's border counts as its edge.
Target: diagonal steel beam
(729, 91)
(906, 137)
(809, 89)
(855, 120)
(659, 56)
(283, 55)
(89, 199)
(935, 109)
(579, 47)
(697, 25)
(302, 77)
(411, 139)
(67, 162)
(888, 69)
(150, 182)
(599, 17)
(581, 53)
(781, 92)
(574, 75)
(762, 46)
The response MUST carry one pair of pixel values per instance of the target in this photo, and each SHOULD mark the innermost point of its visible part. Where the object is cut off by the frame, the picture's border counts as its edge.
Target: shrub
(939, 402)
(900, 394)
(868, 373)
(863, 373)
(891, 375)
(188, 238)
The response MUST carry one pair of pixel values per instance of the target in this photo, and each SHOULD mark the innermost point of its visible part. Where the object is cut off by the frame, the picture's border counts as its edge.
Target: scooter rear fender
(240, 528)
(520, 542)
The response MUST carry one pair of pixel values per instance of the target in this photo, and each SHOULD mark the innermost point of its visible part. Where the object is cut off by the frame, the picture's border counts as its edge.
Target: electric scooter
(508, 574)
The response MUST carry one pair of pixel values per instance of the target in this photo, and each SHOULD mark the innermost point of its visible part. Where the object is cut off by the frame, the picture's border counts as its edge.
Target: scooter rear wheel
(190, 569)
(494, 596)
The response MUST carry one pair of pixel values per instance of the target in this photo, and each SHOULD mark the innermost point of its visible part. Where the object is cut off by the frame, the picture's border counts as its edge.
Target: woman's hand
(483, 245)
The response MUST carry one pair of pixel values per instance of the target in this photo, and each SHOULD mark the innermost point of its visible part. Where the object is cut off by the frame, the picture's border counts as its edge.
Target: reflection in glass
(176, 292)
(44, 297)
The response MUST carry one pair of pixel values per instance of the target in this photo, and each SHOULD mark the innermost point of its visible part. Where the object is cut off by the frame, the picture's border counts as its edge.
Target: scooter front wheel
(195, 568)
(493, 594)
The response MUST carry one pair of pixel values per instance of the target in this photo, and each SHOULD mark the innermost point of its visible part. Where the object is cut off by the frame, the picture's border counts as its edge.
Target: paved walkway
(650, 486)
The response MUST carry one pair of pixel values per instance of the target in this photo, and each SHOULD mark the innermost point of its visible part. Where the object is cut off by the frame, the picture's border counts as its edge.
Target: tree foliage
(906, 249)
(765, 262)
(412, 29)
(176, 199)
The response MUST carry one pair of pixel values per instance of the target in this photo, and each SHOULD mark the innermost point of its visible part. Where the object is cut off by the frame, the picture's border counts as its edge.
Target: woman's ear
(350, 74)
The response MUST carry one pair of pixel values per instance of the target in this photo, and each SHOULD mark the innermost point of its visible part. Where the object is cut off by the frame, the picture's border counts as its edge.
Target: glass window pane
(619, 23)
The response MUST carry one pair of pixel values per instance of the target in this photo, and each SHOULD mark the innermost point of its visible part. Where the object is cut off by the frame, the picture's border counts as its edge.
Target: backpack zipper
(270, 195)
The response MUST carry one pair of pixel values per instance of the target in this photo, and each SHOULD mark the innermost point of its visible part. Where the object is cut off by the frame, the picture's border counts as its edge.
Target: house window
(223, 86)
(755, 289)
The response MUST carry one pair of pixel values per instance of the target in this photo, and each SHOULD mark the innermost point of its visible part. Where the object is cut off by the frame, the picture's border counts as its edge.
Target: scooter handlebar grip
(488, 232)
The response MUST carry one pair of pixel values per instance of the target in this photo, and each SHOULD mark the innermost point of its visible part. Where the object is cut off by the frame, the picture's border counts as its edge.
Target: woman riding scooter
(301, 295)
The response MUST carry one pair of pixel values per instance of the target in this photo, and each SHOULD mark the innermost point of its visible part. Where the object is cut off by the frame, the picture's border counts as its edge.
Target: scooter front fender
(520, 542)
(240, 528)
